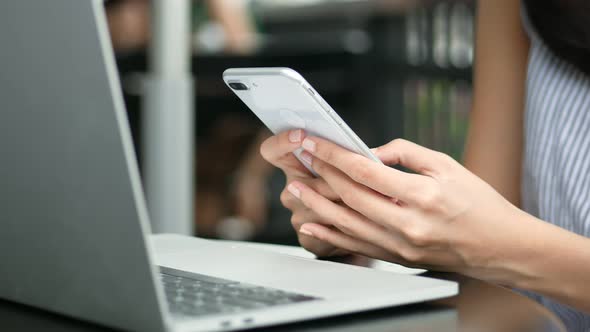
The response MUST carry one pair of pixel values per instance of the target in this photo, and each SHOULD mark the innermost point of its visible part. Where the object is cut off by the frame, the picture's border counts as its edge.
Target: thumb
(410, 155)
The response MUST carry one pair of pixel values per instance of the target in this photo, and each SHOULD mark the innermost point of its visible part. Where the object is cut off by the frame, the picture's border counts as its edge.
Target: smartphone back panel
(283, 100)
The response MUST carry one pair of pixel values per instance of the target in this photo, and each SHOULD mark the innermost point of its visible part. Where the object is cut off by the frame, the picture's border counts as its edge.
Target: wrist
(523, 250)
(548, 260)
(498, 254)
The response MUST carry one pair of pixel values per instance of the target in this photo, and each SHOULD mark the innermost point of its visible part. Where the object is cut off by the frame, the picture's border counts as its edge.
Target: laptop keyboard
(194, 295)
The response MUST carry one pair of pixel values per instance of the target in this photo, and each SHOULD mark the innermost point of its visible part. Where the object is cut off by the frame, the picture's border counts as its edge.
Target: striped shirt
(556, 162)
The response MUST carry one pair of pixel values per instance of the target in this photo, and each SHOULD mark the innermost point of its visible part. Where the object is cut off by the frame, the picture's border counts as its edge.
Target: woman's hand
(442, 218)
(278, 150)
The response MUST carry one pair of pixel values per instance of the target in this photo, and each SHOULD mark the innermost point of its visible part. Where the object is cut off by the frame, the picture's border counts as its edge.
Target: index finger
(386, 180)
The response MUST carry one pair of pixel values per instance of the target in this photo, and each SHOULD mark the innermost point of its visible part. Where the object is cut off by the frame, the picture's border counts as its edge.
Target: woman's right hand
(278, 150)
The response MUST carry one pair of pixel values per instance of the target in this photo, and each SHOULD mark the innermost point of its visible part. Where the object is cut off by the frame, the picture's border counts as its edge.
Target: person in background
(229, 209)
(231, 202)
(517, 213)
(129, 24)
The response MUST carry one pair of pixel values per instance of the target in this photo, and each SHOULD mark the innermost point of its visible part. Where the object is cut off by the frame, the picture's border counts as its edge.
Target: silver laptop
(73, 222)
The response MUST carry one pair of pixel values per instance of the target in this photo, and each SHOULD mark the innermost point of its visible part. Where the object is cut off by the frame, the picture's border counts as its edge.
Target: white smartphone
(283, 100)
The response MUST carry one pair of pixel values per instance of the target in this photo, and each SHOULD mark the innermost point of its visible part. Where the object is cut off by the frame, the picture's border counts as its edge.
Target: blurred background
(390, 68)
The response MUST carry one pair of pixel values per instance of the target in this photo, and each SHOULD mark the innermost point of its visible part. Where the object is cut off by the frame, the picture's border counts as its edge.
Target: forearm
(553, 262)
(494, 144)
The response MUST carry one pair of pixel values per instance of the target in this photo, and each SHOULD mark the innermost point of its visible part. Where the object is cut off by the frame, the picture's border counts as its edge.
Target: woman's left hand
(441, 218)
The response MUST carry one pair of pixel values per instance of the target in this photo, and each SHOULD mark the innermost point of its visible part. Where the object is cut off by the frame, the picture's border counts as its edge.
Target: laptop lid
(71, 204)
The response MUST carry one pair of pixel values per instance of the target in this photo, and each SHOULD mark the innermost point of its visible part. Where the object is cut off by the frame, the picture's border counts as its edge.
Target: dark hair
(564, 25)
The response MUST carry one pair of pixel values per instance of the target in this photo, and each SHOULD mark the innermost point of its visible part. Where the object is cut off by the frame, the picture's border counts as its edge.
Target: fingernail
(308, 145)
(308, 158)
(304, 231)
(294, 191)
(295, 136)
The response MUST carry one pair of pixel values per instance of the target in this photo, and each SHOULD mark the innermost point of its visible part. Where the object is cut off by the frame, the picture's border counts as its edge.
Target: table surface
(480, 306)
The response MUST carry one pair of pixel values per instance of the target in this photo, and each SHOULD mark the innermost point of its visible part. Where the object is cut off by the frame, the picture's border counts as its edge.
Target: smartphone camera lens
(238, 86)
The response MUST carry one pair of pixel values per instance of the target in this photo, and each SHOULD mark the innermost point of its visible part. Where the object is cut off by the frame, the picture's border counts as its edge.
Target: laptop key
(194, 295)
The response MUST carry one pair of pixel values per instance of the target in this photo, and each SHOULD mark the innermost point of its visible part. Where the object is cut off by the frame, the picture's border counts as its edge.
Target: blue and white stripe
(556, 161)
